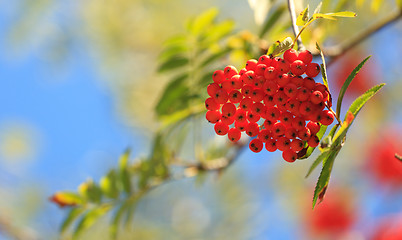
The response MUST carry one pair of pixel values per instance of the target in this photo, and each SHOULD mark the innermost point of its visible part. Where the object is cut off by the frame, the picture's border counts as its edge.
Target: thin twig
(339, 50)
(295, 28)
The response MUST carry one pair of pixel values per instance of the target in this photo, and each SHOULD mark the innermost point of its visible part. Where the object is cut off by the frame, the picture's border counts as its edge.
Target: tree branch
(295, 28)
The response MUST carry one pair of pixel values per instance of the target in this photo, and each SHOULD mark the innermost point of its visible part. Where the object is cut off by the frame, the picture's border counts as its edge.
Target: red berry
(306, 108)
(241, 125)
(304, 133)
(316, 97)
(240, 115)
(258, 108)
(270, 73)
(235, 96)
(213, 116)
(268, 124)
(298, 123)
(221, 96)
(272, 113)
(270, 88)
(290, 90)
(282, 80)
(278, 129)
(283, 143)
(327, 117)
(227, 120)
(234, 134)
(228, 109)
(211, 104)
(292, 106)
(291, 133)
(270, 145)
(252, 129)
(247, 90)
(309, 83)
(229, 72)
(314, 127)
(253, 117)
(297, 145)
(212, 88)
(297, 80)
(269, 101)
(221, 128)
(280, 98)
(256, 145)
(246, 104)
(298, 67)
(265, 135)
(305, 56)
(260, 69)
(289, 155)
(236, 82)
(290, 55)
(265, 59)
(251, 64)
(283, 66)
(248, 77)
(312, 70)
(313, 141)
(218, 76)
(257, 95)
(303, 94)
(286, 118)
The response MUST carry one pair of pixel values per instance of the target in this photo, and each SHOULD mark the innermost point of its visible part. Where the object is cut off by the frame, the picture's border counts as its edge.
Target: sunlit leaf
(333, 15)
(67, 199)
(346, 85)
(203, 21)
(108, 184)
(89, 218)
(217, 32)
(317, 161)
(303, 17)
(212, 58)
(271, 21)
(171, 51)
(280, 47)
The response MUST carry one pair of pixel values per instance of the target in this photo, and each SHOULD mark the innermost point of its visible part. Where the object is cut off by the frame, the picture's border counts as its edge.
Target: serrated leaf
(108, 184)
(280, 47)
(303, 17)
(172, 63)
(325, 175)
(270, 22)
(306, 152)
(316, 162)
(89, 218)
(346, 85)
(272, 48)
(72, 215)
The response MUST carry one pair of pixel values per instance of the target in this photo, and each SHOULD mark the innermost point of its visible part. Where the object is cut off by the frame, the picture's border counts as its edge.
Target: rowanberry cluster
(270, 100)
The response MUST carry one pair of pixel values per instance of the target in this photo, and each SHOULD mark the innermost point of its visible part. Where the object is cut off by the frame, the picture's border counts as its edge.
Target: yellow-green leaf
(303, 17)
(91, 217)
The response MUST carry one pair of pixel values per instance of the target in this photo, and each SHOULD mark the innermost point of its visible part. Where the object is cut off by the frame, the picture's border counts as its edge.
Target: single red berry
(292, 105)
(313, 141)
(298, 123)
(327, 117)
(258, 108)
(314, 127)
(280, 98)
(312, 70)
(306, 108)
(221, 128)
(256, 145)
(265, 59)
(275, 62)
(252, 129)
(290, 90)
(269, 101)
(305, 56)
(282, 80)
(270, 88)
(248, 77)
(304, 133)
(272, 113)
(284, 66)
(286, 118)
(218, 76)
(236, 82)
(303, 94)
(246, 90)
(298, 67)
(235, 96)
(251, 64)
(227, 85)
(270, 73)
(228, 109)
(241, 125)
(259, 81)
(291, 133)
(268, 124)
(234, 134)
(213, 116)
(246, 104)
(278, 129)
(230, 71)
(270, 145)
(260, 69)
(253, 117)
(309, 83)
(240, 115)
(265, 135)
(296, 145)
(297, 80)
(289, 156)
(211, 104)
(290, 55)
(316, 97)
(212, 88)
(283, 143)
(221, 96)
(257, 95)
(242, 71)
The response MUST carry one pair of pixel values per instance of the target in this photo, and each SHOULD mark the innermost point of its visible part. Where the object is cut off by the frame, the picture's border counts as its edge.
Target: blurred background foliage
(152, 59)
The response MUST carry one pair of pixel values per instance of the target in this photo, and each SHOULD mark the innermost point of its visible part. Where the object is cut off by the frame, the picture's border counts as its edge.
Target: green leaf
(325, 175)
(306, 152)
(272, 48)
(303, 17)
(332, 16)
(346, 85)
(280, 47)
(216, 33)
(91, 217)
(317, 161)
(203, 21)
(323, 15)
(108, 184)
(323, 66)
(270, 22)
(72, 215)
(124, 172)
(172, 51)
(175, 97)
(173, 63)
(91, 191)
